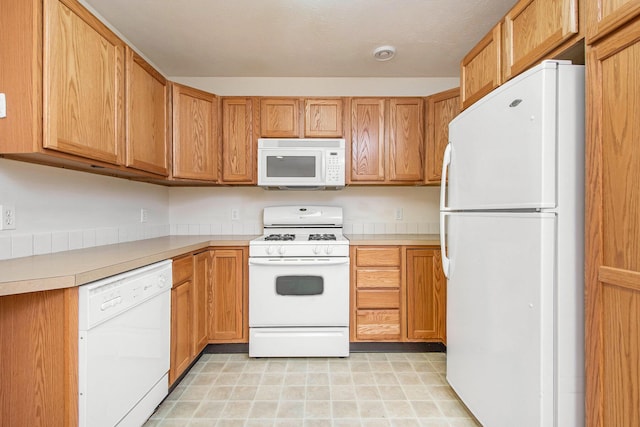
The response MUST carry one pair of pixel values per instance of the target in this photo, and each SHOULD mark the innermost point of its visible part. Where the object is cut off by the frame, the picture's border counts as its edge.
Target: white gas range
(299, 284)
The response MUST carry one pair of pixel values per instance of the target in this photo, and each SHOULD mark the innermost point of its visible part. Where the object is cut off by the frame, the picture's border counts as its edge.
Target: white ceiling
(303, 38)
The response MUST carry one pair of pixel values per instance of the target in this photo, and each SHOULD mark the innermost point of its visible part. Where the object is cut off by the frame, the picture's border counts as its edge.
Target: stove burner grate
(322, 237)
(280, 237)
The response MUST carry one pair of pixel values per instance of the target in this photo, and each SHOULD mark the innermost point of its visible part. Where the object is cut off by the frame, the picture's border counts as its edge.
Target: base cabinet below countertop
(398, 294)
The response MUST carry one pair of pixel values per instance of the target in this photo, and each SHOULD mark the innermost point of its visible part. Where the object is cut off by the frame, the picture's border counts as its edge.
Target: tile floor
(366, 389)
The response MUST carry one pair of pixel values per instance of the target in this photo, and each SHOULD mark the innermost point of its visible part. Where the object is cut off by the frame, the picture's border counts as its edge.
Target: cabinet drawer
(182, 269)
(378, 325)
(378, 257)
(377, 278)
(378, 299)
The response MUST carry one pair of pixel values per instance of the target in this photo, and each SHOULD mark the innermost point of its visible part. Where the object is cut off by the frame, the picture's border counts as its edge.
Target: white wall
(59, 209)
(304, 86)
(366, 209)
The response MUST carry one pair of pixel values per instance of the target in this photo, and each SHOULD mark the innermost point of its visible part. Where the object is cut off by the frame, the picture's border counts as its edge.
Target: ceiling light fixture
(384, 53)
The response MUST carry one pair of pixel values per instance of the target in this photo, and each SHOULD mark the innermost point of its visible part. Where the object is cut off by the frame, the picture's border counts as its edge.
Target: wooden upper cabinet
(406, 140)
(147, 116)
(323, 118)
(604, 16)
(612, 249)
(284, 118)
(387, 140)
(239, 142)
(195, 136)
(480, 70)
(367, 139)
(534, 28)
(279, 118)
(83, 84)
(441, 109)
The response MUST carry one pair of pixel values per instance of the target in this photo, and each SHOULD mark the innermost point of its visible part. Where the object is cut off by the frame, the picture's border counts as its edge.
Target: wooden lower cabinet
(426, 295)
(228, 303)
(39, 359)
(188, 310)
(397, 294)
(181, 317)
(201, 277)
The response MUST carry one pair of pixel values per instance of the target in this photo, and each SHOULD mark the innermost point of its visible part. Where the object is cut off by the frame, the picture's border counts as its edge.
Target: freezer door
(503, 148)
(500, 316)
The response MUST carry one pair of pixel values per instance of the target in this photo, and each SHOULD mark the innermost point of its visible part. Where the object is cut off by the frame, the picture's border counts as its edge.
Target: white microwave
(301, 164)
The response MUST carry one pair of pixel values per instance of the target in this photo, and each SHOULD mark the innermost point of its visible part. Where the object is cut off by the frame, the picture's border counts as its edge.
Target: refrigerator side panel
(503, 153)
(500, 316)
(570, 291)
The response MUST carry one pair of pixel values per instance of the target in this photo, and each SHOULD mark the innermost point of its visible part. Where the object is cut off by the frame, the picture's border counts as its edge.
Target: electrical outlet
(144, 215)
(399, 214)
(235, 214)
(8, 217)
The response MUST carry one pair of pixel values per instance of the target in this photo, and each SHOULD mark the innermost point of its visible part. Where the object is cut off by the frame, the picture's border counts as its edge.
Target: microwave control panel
(335, 168)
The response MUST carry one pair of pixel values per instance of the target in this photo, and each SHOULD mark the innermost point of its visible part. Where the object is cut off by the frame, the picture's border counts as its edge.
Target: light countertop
(78, 267)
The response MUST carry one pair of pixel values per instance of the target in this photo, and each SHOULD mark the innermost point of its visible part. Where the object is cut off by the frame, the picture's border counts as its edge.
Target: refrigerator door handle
(446, 161)
(443, 247)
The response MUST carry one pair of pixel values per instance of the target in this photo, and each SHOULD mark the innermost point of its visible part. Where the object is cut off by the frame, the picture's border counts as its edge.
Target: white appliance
(513, 254)
(303, 164)
(299, 284)
(123, 356)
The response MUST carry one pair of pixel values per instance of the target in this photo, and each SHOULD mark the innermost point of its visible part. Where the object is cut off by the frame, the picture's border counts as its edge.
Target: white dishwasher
(123, 353)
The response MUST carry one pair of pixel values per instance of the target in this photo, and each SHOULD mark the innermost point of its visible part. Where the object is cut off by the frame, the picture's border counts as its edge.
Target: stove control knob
(269, 250)
(328, 250)
(281, 250)
(316, 250)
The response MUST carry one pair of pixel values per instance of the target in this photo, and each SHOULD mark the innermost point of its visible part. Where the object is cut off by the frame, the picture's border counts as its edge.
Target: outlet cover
(8, 214)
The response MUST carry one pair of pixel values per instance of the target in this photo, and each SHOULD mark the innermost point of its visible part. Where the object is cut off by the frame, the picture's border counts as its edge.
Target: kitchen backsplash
(254, 228)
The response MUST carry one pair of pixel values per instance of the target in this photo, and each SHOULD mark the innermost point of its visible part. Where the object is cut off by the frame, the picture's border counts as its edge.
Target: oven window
(291, 166)
(299, 285)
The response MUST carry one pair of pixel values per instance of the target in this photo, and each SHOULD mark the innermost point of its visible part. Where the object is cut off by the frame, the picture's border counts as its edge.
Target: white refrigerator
(511, 218)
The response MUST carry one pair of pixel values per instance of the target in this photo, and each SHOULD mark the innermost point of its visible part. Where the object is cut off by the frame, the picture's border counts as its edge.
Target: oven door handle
(299, 261)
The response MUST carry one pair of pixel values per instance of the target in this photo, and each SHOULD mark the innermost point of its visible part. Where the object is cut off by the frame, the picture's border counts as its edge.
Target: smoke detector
(384, 53)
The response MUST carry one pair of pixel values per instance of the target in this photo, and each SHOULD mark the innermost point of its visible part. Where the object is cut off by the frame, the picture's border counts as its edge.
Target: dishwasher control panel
(106, 298)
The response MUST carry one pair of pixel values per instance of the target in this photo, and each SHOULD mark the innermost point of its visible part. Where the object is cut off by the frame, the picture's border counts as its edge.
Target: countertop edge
(49, 272)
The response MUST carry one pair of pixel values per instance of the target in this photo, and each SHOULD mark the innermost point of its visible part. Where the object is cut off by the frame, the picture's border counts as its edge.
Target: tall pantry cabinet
(612, 252)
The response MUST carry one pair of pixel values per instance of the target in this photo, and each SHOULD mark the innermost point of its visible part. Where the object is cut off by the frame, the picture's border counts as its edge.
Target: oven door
(298, 292)
(282, 167)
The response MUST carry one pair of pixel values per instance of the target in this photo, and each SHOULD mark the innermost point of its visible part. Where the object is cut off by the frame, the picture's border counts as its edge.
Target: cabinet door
(238, 142)
(279, 118)
(612, 252)
(441, 109)
(201, 264)
(406, 140)
(604, 16)
(83, 84)
(228, 308)
(181, 329)
(533, 28)
(426, 295)
(39, 358)
(323, 118)
(195, 147)
(147, 99)
(480, 70)
(367, 139)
